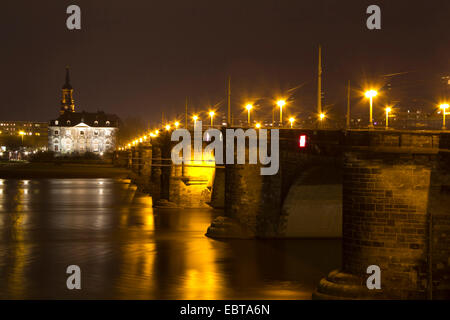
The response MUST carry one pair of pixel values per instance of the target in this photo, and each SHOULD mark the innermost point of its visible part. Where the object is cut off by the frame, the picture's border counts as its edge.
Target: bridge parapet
(398, 140)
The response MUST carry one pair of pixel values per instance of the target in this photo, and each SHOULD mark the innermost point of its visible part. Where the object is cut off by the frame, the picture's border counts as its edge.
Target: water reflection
(126, 250)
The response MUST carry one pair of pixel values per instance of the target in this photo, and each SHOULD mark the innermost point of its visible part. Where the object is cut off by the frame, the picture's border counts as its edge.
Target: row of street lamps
(280, 103)
(249, 107)
(370, 94)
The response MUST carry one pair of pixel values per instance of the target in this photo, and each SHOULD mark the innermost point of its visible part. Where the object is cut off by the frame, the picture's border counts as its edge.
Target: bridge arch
(313, 205)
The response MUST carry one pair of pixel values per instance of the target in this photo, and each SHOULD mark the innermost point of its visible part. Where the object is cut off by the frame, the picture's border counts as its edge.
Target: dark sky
(137, 58)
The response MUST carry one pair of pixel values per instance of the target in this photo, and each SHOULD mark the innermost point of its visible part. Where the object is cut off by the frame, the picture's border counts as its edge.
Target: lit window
(56, 122)
(107, 123)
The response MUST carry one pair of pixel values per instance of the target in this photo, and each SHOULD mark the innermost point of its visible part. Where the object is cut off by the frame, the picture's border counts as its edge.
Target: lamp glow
(291, 120)
(211, 114)
(444, 107)
(371, 94)
(248, 107)
(388, 109)
(281, 104)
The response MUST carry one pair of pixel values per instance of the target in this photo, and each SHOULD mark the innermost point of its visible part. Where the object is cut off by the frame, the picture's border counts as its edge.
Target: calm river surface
(128, 250)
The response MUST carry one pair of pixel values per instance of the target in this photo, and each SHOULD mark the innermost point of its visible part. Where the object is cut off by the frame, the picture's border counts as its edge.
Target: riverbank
(11, 170)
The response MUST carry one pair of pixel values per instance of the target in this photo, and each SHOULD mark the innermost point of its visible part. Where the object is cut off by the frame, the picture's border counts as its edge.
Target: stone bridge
(386, 193)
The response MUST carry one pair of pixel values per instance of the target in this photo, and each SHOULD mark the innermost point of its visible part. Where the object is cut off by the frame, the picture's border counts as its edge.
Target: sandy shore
(67, 170)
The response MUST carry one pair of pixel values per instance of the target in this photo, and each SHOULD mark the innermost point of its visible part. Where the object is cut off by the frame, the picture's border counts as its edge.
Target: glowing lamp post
(211, 114)
(444, 107)
(388, 109)
(258, 125)
(21, 135)
(195, 118)
(177, 124)
(291, 120)
(248, 107)
(281, 103)
(371, 94)
(167, 127)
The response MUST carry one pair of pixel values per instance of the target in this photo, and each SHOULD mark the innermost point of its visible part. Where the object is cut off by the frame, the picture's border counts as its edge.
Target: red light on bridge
(302, 141)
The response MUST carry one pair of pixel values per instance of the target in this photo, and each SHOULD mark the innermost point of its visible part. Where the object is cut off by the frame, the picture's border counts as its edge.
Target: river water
(128, 250)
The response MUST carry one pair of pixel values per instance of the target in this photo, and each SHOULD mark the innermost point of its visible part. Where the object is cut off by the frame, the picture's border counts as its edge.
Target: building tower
(67, 102)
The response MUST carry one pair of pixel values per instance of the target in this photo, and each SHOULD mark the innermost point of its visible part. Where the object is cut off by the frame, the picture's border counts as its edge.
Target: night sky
(137, 58)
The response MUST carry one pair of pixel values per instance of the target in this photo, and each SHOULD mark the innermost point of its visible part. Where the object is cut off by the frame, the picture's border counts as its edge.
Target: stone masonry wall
(439, 210)
(385, 221)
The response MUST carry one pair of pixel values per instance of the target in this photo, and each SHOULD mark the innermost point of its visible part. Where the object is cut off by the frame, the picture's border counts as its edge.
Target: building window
(56, 132)
(96, 132)
(95, 122)
(68, 122)
(56, 147)
(56, 122)
(107, 123)
(81, 133)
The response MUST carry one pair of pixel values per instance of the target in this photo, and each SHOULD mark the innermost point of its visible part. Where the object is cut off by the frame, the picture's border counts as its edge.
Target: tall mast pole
(348, 105)
(319, 83)
(229, 101)
(186, 114)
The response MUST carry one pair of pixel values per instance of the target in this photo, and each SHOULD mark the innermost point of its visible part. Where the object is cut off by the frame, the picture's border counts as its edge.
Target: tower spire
(67, 102)
(67, 83)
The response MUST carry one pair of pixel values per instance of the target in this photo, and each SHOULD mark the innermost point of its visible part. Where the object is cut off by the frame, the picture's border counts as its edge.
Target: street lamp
(22, 134)
(371, 94)
(281, 103)
(443, 107)
(167, 127)
(388, 109)
(248, 107)
(291, 120)
(195, 119)
(177, 124)
(258, 125)
(211, 114)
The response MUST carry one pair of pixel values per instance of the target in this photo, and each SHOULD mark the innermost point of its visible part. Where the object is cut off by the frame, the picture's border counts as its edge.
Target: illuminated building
(79, 132)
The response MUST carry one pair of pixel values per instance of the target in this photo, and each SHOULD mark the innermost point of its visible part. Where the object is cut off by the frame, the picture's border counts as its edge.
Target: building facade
(79, 132)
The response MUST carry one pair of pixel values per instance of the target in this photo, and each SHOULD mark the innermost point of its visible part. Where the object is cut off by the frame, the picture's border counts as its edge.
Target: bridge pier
(395, 216)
